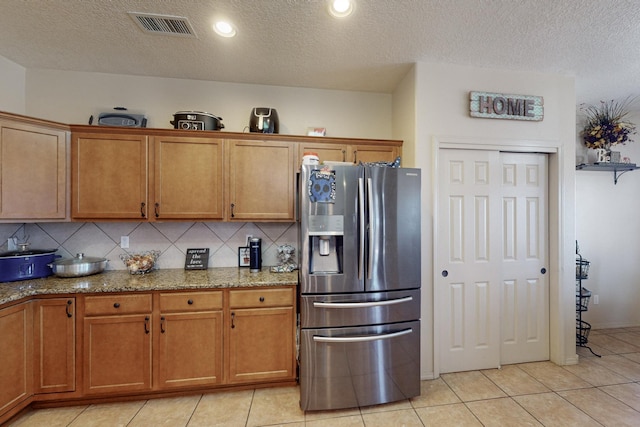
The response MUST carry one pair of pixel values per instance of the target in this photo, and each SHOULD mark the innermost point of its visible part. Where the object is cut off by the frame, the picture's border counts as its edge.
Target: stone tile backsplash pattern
(102, 239)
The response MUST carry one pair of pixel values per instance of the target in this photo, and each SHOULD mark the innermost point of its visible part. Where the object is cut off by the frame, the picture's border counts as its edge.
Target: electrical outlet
(11, 244)
(596, 299)
(124, 242)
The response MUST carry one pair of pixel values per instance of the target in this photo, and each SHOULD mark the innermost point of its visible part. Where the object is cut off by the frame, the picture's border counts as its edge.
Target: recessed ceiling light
(340, 8)
(224, 29)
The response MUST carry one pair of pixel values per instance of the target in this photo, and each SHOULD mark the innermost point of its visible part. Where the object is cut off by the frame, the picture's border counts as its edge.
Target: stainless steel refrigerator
(359, 285)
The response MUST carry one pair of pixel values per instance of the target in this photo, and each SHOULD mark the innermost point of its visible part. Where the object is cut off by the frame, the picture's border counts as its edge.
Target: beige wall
(71, 97)
(608, 233)
(12, 87)
(442, 116)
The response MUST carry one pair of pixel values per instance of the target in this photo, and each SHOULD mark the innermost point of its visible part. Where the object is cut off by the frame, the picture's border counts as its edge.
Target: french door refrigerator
(359, 287)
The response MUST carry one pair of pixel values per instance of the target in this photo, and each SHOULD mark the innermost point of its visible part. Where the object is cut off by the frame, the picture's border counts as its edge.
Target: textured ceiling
(297, 43)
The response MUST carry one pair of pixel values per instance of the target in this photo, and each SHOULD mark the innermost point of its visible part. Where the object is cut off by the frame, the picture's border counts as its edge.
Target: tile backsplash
(102, 239)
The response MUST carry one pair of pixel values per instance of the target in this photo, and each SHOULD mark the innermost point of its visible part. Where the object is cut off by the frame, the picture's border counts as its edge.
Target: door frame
(561, 280)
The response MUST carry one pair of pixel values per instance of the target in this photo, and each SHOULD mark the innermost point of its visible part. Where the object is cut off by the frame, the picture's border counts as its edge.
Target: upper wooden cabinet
(188, 178)
(33, 177)
(120, 176)
(109, 175)
(152, 174)
(376, 151)
(261, 180)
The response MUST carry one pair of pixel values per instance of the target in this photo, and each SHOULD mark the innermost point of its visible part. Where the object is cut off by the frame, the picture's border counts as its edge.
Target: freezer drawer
(365, 308)
(351, 367)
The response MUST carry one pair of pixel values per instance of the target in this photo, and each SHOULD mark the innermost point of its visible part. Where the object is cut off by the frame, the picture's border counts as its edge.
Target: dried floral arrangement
(608, 124)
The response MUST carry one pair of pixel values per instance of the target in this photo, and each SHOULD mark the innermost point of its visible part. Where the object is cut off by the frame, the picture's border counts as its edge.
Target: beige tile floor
(596, 392)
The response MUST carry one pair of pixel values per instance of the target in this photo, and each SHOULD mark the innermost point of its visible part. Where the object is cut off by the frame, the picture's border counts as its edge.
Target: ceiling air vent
(163, 24)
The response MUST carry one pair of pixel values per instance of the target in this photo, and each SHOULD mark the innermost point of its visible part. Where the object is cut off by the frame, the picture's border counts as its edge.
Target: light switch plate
(124, 242)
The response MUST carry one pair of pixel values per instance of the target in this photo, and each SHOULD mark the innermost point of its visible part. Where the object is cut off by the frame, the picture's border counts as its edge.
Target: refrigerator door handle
(319, 338)
(362, 230)
(362, 304)
(371, 242)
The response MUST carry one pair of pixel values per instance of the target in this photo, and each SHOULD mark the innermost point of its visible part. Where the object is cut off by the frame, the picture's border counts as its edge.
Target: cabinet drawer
(117, 304)
(261, 298)
(191, 301)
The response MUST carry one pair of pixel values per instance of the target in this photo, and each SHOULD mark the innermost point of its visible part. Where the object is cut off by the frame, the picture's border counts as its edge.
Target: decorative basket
(582, 268)
(141, 263)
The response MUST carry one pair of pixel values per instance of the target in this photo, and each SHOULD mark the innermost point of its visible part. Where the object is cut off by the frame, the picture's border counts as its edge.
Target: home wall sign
(505, 106)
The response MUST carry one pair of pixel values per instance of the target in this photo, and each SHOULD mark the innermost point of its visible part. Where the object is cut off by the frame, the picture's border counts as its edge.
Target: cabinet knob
(116, 305)
(190, 302)
(261, 299)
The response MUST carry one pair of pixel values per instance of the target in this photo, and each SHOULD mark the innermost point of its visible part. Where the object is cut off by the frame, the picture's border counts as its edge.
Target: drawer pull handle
(157, 207)
(190, 302)
(261, 299)
(233, 315)
(116, 305)
(68, 308)
(146, 325)
(142, 205)
(232, 207)
(162, 330)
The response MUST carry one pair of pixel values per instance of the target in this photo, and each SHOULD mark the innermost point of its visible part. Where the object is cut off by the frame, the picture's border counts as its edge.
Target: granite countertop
(157, 280)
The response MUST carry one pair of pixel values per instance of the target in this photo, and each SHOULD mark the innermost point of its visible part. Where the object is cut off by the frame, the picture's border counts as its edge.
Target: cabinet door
(373, 153)
(54, 345)
(261, 345)
(109, 176)
(331, 152)
(117, 353)
(188, 178)
(190, 349)
(33, 165)
(15, 356)
(261, 180)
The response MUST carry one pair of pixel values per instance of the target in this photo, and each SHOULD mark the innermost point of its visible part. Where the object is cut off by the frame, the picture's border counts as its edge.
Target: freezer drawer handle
(361, 304)
(318, 338)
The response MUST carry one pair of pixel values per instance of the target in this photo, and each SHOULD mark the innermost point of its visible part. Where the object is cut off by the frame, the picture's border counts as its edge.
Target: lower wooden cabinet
(107, 345)
(54, 345)
(16, 329)
(190, 339)
(172, 340)
(262, 335)
(117, 343)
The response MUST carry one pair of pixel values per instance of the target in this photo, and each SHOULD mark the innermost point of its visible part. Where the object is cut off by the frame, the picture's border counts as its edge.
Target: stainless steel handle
(318, 338)
(362, 304)
(371, 243)
(361, 226)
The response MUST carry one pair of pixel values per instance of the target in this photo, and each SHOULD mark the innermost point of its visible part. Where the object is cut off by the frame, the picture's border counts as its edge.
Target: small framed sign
(197, 259)
(243, 256)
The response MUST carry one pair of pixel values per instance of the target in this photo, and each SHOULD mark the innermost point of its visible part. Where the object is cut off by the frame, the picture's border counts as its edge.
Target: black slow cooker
(196, 120)
(26, 264)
